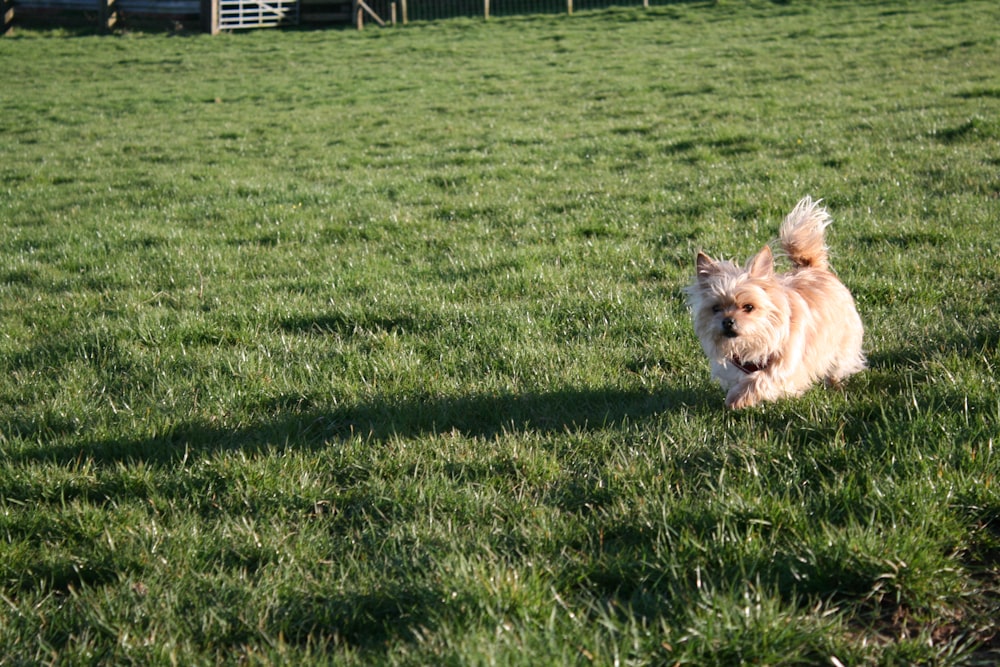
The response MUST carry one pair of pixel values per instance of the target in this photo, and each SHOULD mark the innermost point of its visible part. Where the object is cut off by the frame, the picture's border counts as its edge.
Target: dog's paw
(741, 396)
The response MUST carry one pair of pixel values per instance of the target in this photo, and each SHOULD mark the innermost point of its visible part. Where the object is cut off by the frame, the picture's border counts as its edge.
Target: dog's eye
(748, 308)
(716, 308)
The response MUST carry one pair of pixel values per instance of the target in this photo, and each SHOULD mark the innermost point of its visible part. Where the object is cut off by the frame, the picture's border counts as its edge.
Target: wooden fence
(430, 10)
(218, 15)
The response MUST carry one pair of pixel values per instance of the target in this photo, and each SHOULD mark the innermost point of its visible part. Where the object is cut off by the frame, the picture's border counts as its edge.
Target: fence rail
(235, 14)
(431, 10)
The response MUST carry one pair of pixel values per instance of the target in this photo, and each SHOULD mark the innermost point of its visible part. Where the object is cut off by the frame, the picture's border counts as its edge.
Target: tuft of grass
(369, 348)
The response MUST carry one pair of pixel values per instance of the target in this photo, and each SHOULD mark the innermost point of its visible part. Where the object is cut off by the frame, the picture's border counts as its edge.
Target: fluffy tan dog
(770, 335)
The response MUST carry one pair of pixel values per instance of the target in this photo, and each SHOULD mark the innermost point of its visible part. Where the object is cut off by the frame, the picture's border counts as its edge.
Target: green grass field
(370, 348)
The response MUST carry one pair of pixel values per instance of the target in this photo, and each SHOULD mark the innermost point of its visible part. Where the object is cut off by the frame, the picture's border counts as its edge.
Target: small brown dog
(770, 335)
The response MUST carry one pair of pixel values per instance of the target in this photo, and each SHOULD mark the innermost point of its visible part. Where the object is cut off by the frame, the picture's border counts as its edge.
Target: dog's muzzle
(729, 328)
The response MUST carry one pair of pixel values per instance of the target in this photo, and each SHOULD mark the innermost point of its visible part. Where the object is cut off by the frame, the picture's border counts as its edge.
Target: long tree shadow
(312, 427)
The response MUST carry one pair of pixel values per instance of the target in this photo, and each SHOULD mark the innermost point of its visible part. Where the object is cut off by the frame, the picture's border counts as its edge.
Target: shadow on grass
(300, 425)
(362, 620)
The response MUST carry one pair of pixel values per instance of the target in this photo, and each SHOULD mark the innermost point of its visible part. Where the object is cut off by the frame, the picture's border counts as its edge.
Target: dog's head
(740, 313)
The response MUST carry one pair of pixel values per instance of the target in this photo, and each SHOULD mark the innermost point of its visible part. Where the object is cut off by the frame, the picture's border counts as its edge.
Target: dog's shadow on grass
(292, 421)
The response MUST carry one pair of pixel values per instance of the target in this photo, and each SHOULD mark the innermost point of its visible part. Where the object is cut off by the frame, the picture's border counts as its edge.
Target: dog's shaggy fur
(769, 335)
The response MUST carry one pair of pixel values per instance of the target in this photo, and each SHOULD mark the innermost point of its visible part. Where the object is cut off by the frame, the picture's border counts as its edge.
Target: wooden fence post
(569, 6)
(360, 8)
(107, 11)
(210, 16)
(486, 9)
(406, 17)
(6, 17)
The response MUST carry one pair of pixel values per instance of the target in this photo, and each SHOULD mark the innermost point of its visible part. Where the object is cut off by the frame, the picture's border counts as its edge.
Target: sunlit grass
(370, 347)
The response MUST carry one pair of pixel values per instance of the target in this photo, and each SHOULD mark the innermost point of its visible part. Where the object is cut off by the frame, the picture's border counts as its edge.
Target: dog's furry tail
(802, 237)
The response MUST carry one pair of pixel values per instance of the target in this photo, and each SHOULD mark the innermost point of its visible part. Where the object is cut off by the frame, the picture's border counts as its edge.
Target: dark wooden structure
(108, 15)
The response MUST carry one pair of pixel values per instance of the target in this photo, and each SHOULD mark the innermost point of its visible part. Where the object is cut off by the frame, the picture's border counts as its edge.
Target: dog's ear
(762, 265)
(707, 267)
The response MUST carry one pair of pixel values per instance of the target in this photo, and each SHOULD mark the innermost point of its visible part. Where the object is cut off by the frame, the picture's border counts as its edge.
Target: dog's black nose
(729, 326)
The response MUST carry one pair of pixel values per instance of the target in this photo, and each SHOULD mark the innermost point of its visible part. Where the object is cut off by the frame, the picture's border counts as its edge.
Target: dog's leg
(748, 392)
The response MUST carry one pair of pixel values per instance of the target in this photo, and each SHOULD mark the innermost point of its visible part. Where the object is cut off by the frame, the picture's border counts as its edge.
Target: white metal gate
(235, 14)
